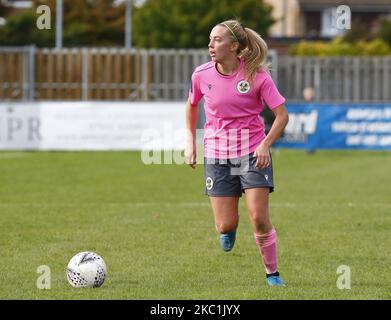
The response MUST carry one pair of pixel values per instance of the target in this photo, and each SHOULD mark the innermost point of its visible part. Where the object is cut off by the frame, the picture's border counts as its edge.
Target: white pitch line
(189, 204)
(13, 155)
(108, 204)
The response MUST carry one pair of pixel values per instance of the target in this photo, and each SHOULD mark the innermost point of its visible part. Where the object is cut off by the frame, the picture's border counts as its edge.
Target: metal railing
(337, 79)
(30, 73)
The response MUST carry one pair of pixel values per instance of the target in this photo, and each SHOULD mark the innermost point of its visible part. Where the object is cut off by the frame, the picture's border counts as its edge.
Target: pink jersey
(233, 126)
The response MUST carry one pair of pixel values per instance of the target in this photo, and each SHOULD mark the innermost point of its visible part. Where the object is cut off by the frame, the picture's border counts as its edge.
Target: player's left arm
(263, 150)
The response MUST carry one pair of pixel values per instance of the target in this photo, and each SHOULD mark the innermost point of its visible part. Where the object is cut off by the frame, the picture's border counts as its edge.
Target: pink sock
(267, 244)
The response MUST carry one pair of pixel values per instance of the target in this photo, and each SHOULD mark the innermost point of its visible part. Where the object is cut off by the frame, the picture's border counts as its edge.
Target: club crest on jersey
(243, 86)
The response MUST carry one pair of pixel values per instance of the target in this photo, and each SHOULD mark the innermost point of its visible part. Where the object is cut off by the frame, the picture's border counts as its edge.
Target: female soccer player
(235, 86)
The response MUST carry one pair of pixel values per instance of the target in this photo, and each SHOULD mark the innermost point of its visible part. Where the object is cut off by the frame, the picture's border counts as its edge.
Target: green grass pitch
(154, 227)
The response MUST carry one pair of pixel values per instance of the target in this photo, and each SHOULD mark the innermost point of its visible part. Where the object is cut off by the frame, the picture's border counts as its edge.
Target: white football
(86, 270)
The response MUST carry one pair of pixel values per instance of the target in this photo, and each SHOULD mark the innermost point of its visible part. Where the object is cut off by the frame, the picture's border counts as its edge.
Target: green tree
(21, 30)
(187, 23)
(156, 23)
(94, 22)
(85, 23)
(385, 31)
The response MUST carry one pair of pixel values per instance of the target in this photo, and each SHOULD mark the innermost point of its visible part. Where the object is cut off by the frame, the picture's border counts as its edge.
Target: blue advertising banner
(337, 126)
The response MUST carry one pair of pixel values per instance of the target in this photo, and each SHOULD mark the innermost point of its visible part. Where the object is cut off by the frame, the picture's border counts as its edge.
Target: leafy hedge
(338, 47)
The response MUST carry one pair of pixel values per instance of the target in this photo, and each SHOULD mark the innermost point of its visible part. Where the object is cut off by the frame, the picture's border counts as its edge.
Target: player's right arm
(191, 123)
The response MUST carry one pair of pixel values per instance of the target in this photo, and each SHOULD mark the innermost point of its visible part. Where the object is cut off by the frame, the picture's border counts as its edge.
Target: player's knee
(259, 216)
(260, 222)
(263, 227)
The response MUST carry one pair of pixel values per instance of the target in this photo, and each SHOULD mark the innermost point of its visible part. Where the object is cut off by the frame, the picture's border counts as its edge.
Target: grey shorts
(231, 177)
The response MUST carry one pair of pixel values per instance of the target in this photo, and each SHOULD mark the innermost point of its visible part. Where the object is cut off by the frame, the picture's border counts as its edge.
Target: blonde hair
(252, 48)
